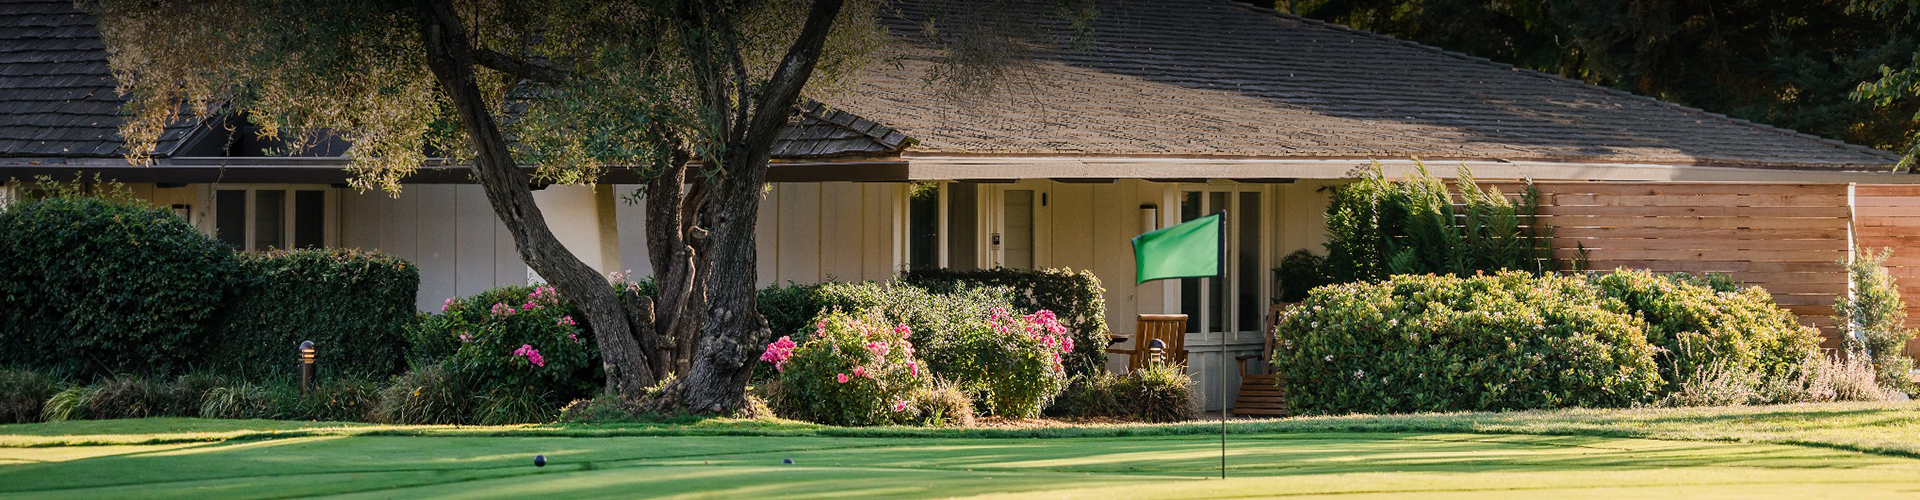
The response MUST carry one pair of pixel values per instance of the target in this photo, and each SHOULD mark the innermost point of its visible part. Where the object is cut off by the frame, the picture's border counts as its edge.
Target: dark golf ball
(787, 461)
(539, 460)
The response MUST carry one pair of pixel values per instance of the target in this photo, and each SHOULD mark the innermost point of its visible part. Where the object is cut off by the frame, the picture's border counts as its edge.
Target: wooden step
(1278, 412)
(1261, 399)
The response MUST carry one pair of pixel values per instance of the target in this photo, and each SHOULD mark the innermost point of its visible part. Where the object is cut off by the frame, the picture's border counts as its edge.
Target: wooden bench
(1260, 390)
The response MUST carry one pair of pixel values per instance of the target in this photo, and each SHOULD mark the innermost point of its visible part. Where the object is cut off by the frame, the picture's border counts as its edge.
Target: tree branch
(518, 67)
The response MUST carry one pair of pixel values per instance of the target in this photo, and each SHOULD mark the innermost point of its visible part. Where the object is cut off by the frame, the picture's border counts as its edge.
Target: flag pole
(1222, 276)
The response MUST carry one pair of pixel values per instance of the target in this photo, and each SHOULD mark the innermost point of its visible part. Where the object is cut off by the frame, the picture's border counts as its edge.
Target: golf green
(1297, 464)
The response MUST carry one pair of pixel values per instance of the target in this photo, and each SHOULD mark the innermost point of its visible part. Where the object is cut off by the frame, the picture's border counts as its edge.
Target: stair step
(1261, 399)
(1259, 411)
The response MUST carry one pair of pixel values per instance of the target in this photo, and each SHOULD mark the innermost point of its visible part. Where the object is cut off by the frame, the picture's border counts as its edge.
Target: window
(261, 219)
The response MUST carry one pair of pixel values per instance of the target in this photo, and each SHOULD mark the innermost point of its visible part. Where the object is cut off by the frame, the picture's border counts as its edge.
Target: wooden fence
(1888, 216)
(1788, 238)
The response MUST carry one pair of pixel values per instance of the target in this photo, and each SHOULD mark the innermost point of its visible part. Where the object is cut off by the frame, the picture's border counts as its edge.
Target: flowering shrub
(1697, 328)
(513, 344)
(1427, 343)
(852, 370)
(1014, 364)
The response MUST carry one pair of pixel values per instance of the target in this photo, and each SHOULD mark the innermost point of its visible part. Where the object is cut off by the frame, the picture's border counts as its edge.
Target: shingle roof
(1165, 78)
(57, 95)
(1214, 78)
(822, 131)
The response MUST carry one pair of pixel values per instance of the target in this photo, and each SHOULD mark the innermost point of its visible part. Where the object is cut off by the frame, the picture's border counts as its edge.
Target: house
(1174, 109)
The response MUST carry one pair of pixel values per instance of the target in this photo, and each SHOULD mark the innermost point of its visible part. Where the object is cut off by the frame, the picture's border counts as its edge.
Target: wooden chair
(1169, 329)
(1260, 392)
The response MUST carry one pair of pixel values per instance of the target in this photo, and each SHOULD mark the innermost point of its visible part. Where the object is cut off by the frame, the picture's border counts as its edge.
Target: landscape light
(306, 366)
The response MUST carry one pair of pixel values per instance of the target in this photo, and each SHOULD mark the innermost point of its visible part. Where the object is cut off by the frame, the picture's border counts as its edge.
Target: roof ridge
(1562, 79)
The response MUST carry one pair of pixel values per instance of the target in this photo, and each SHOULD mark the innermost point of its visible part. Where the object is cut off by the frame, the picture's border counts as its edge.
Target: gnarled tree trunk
(450, 57)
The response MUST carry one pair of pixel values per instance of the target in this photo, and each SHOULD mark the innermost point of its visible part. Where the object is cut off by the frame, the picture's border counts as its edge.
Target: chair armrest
(1128, 352)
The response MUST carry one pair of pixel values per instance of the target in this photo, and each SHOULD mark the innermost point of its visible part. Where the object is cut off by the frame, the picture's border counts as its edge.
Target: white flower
(1393, 323)
(1329, 358)
(1359, 374)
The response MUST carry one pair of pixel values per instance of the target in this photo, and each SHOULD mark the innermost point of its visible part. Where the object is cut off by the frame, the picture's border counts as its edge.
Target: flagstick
(1223, 350)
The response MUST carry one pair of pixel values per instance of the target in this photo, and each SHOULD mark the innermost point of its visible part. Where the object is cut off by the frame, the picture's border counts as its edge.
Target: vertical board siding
(1786, 238)
(1888, 216)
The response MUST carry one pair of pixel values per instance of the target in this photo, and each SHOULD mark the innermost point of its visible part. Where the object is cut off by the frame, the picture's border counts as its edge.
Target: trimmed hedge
(1431, 343)
(1076, 297)
(1705, 323)
(353, 305)
(95, 287)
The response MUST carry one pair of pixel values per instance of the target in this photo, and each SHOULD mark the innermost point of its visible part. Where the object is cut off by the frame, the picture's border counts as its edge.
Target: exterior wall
(807, 232)
(1090, 226)
(447, 230)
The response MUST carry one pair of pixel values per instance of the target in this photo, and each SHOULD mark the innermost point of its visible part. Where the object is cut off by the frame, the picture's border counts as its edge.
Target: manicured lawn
(1692, 453)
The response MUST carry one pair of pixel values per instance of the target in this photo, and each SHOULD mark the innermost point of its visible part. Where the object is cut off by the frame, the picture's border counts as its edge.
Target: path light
(306, 366)
(1156, 350)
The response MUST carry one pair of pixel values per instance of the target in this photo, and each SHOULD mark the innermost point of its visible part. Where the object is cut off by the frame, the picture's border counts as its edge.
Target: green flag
(1190, 250)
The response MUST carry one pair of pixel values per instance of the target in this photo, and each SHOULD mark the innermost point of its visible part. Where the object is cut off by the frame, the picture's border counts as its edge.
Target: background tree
(1788, 64)
(690, 93)
(1898, 88)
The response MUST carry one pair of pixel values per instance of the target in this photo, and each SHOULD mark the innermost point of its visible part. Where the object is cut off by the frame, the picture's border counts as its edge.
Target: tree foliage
(1789, 64)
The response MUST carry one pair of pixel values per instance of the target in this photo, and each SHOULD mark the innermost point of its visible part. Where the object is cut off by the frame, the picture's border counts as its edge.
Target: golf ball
(539, 460)
(787, 461)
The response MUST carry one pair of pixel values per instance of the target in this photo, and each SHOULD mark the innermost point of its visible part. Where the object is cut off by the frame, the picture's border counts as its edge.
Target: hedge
(1705, 323)
(1076, 297)
(354, 306)
(1439, 343)
(95, 287)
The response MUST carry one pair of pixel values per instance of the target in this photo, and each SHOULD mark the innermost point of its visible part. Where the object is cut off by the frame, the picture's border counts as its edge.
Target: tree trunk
(717, 381)
(450, 57)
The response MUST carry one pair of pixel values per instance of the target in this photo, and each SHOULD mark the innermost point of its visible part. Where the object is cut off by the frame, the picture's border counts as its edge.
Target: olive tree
(691, 94)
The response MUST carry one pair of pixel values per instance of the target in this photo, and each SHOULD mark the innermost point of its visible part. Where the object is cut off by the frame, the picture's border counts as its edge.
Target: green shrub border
(1075, 297)
(354, 305)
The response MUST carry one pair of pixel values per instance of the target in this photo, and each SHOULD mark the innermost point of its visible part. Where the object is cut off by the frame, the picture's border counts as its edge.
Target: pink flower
(532, 355)
(842, 377)
(502, 309)
(567, 321)
(575, 337)
(900, 405)
(448, 305)
(778, 353)
(913, 368)
(466, 338)
(861, 371)
(879, 349)
(820, 328)
(903, 330)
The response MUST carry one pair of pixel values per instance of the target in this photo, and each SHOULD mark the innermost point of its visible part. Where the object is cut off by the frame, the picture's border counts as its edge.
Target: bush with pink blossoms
(852, 369)
(512, 344)
(1011, 363)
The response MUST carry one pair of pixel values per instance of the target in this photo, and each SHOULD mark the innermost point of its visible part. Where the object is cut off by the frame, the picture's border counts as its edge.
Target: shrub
(1377, 228)
(1299, 273)
(68, 404)
(352, 304)
(345, 399)
(1076, 297)
(24, 393)
(427, 395)
(1159, 393)
(1156, 393)
(1741, 334)
(511, 344)
(943, 403)
(1088, 396)
(189, 392)
(790, 308)
(1440, 343)
(853, 370)
(129, 396)
(1013, 363)
(97, 287)
(1876, 320)
(239, 401)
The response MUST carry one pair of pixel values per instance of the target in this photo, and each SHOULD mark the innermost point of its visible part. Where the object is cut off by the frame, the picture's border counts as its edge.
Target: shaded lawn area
(1428, 456)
